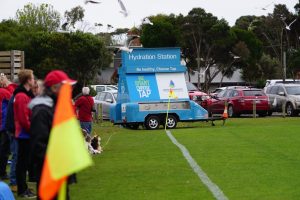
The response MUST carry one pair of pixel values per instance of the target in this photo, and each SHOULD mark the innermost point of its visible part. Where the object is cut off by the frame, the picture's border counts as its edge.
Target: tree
(294, 63)
(250, 54)
(275, 37)
(163, 32)
(12, 35)
(269, 67)
(207, 41)
(42, 17)
(73, 16)
(81, 55)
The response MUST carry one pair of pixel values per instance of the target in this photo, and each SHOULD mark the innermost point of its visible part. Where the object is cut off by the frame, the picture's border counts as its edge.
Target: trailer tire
(171, 122)
(152, 122)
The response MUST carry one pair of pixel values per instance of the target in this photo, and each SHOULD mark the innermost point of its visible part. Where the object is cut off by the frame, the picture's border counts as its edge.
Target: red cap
(57, 76)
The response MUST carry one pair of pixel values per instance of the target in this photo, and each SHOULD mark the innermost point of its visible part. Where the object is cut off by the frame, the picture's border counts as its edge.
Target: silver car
(284, 95)
(106, 99)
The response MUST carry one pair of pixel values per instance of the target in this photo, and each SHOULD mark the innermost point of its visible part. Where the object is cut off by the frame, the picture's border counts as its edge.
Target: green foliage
(12, 36)
(294, 63)
(81, 55)
(92, 91)
(163, 32)
(75, 15)
(42, 17)
(269, 67)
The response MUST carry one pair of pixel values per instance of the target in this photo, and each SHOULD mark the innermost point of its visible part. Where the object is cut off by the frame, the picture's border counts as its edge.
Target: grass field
(247, 158)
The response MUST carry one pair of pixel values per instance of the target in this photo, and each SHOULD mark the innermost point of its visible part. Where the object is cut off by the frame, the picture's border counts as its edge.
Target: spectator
(85, 106)
(10, 130)
(22, 114)
(38, 87)
(4, 142)
(42, 115)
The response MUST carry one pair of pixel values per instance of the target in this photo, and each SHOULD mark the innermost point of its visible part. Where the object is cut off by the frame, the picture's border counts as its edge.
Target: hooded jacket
(21, 112)
(41, 122)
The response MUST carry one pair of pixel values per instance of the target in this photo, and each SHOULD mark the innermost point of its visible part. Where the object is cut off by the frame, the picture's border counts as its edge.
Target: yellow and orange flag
(66, 151)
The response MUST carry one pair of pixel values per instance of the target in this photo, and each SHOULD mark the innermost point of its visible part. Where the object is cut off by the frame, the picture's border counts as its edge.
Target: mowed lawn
(247, 158)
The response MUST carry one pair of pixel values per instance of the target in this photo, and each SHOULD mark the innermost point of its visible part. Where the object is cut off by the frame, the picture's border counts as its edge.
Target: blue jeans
(87, 126)
(14, 152)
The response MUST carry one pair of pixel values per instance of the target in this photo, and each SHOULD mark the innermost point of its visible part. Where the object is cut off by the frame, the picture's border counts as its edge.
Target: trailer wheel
(171, 122)
(152, 122)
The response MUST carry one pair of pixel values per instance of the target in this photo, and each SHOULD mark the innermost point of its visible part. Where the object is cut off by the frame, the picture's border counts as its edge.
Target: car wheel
(171, 122)
(290, 110)
(230, 111)
(152, 122)
(270, 113)
(262, 114)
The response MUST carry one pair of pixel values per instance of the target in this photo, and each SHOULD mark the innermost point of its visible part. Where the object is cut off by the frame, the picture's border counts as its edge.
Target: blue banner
(143, 60)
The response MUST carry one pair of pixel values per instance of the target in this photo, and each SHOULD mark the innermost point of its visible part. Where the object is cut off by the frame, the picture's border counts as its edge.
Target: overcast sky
(108, 11)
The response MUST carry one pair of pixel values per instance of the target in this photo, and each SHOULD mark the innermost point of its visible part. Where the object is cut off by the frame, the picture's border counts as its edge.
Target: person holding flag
(56, 137)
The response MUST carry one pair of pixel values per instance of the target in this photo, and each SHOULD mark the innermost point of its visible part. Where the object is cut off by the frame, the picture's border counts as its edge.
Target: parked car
(101, 88)
(106, 99)
(287, 94)
(220, 89)
(195, 94)
(280, 81)
(240, 101)
(217, 91)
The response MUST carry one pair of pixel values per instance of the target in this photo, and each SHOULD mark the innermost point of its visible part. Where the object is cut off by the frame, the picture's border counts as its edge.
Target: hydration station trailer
(151, 87)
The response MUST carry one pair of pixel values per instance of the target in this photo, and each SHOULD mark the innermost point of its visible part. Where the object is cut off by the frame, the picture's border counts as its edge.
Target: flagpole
(168, 109)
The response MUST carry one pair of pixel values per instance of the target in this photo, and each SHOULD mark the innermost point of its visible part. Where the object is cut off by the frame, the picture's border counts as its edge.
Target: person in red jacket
(8, 143)
(85, 106)
(22, 113)
(4, 144)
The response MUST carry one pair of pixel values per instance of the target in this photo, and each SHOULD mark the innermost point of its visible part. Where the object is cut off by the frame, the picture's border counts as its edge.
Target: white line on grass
(108, 139)
(215, 190)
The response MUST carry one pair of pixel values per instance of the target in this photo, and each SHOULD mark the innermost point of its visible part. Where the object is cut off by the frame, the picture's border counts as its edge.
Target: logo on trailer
(143, 87)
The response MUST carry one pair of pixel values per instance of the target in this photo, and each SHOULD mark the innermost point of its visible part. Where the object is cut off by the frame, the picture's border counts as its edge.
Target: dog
(92, 144)
(95, 142)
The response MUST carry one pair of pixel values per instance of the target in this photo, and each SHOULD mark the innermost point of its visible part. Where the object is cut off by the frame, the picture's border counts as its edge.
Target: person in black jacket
(43, 108)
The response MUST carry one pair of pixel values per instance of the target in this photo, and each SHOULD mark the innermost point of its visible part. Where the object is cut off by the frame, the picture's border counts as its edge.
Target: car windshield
(218, 90)
(293, 90)
(253, 93)
(191, 87)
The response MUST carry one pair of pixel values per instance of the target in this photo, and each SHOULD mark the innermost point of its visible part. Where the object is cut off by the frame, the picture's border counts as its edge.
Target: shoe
(28, 194)
(14, 188)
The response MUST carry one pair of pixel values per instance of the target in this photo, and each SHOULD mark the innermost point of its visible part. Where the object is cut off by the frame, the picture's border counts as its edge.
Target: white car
(101, 88)
(106, 99)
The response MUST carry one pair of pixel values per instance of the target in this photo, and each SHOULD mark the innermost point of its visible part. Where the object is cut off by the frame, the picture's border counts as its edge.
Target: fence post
(99, 113)
(254, 108)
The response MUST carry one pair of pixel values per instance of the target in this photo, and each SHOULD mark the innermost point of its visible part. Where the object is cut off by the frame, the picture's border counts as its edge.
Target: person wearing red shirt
(22, 113)
(84, 107)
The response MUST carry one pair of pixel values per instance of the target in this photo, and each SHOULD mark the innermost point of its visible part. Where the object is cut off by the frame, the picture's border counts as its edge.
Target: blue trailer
(151, 87)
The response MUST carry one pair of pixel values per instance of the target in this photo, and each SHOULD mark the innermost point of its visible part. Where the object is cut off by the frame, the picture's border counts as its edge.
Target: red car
(240, 101)
(195, 94)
